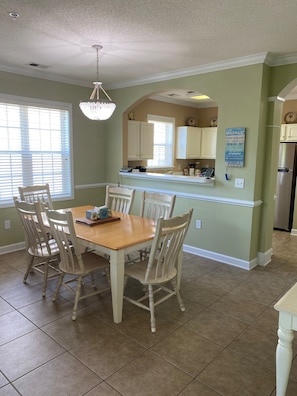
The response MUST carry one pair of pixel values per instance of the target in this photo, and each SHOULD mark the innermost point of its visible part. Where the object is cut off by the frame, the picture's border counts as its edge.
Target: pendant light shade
(96, 108)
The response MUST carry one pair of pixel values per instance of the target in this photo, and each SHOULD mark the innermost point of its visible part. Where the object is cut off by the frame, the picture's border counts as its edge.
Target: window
(163, 141)
(35, 147)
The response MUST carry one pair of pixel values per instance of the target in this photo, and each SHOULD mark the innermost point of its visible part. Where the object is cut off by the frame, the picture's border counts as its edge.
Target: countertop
(167, 177)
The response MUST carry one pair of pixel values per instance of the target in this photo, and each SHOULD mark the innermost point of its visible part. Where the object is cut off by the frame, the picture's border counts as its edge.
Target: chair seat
(92, 262)
(45, 249)
(138, 271)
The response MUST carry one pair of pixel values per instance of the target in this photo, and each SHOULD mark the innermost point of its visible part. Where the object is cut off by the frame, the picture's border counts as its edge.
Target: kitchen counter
(166, 177)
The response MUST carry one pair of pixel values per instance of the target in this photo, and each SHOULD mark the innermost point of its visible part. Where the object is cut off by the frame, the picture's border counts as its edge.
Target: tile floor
(223, 344)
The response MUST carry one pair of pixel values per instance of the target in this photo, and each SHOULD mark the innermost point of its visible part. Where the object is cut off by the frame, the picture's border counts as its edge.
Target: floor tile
(14, 325)
(45, 311)
(63, 375)
(196, 388)
(108, 351)
(103, 389)
(36, 345)
(8, 390)
(149, 375)
(216, 327)
(5, 307)
(256, 345)
(187, 350)
(238, 308)
(69, 333)
(232, 374)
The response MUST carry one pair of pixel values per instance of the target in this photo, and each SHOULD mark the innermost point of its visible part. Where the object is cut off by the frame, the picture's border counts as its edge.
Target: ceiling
(143, 40)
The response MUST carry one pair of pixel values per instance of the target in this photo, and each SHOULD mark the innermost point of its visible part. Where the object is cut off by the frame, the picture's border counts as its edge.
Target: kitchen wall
(181, 115)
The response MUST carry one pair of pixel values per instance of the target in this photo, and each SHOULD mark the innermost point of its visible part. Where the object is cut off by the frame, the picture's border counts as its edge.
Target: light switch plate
(239, 183)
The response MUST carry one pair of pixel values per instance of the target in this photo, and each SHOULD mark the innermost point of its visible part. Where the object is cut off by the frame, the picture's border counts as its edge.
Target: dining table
(117, 237)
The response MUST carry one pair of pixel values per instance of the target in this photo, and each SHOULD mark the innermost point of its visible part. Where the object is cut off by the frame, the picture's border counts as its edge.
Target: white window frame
(24, 175)
(164, 119)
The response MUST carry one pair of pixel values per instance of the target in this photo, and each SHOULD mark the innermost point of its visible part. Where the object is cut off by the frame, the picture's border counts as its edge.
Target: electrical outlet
(7, 224)
(239, 183)
(198, 224)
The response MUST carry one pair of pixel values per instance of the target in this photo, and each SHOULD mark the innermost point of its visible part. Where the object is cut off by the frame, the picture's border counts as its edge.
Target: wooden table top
(128, 231)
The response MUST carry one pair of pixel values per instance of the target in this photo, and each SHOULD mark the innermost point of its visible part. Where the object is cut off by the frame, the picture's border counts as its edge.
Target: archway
(171, 103)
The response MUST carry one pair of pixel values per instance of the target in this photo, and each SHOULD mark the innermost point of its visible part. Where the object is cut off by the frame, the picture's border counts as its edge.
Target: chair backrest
(154, 205)
(39, 193)
(168, 240)
(119, 199)
(35, 232)
(62, 229)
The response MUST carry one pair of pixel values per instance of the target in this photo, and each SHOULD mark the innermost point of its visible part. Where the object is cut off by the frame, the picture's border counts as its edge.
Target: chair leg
(61, 278)
(77, 295)
(152, 308)
(45, 275)
(178, 296)
(93, 280)
(29, 268)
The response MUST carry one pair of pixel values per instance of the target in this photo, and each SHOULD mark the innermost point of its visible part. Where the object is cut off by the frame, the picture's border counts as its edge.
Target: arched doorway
(176, 103)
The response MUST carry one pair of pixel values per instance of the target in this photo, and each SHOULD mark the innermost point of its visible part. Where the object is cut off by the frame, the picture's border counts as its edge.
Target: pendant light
(96, 108)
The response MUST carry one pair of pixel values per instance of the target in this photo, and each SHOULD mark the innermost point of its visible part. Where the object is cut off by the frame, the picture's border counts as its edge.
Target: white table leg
(283, 359)
(117, 283)
(179, 268)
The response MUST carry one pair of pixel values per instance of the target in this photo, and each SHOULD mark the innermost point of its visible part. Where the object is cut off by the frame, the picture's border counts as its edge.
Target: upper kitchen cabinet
(140, 140)
(208, 143)
(188, 142)
(288, 133)
(196, 143)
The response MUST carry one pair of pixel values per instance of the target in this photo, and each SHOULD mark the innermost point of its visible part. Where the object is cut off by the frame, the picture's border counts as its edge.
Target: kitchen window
(163, 141)
(35, 147)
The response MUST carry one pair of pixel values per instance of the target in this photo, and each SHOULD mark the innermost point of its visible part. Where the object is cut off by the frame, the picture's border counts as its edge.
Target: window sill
(170, 178)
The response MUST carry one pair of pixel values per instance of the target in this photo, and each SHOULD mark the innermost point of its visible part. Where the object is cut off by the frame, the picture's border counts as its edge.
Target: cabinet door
(208, 143)
(146, 140)
(188, 142)
(283, 133)
(291, 132)
(133, 140)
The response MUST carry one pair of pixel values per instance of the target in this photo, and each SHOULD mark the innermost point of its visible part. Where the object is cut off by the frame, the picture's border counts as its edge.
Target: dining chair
(155, 205)
(119, 199)
(75, 260)
(160, 268)
(43, 251)
(40, 193)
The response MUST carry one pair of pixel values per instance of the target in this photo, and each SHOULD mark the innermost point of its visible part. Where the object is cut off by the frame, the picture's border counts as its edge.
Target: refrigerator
(285, 187)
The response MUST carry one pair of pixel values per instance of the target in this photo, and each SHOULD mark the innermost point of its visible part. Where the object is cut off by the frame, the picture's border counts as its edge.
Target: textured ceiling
(141, 39)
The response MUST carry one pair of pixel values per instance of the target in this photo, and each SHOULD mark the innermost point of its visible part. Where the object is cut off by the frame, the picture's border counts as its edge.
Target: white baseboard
(12, 248)
(293, 232)
(262, 259)
(247, 265)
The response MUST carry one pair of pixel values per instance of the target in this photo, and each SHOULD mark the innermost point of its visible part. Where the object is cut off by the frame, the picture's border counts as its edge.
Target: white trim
(247, 265)
(293, 232)
(264, 258)
(191, 71)
(235, 262)
(264, 57)
(94, 185)
(198, 197)
(276, 99)
(12, 248)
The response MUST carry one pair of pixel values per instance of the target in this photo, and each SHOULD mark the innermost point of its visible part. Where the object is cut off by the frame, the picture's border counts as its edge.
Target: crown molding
(191, 71)
(265, 57)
